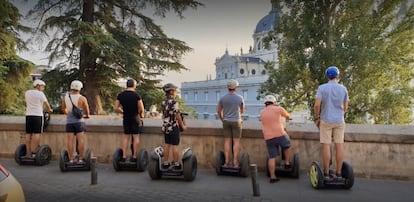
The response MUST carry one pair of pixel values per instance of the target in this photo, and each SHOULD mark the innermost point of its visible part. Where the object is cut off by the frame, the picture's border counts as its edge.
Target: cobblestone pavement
(47, 183)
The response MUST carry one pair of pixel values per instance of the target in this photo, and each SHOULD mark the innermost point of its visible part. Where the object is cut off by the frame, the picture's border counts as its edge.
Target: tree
(108, 40)
(14, 71)
(371, 42)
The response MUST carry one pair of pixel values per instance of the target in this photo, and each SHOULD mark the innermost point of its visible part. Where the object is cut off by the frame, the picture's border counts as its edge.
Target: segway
(43, 154)
(188, 170)
(242, 170)
(140, 164)
(318, 180)
(76, 165)
(280, 167)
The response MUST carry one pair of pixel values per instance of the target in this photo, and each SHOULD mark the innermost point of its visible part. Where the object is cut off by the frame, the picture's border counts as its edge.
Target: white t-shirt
(34, 102)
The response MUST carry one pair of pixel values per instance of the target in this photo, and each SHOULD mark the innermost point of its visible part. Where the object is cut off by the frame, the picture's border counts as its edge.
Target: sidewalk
(47, 183)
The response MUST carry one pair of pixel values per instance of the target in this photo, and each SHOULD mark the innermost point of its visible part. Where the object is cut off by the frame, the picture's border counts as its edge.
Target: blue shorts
(75, 127)
(173, 138)
(274, 143)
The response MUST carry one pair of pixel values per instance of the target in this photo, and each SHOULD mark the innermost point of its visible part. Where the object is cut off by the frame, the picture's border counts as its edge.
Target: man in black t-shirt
(130, 104)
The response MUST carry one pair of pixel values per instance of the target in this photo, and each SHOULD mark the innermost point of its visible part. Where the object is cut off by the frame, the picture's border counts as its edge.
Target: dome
(267, 22)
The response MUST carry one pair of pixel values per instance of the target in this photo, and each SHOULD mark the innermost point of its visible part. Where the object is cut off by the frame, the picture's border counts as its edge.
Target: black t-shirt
(129, 101)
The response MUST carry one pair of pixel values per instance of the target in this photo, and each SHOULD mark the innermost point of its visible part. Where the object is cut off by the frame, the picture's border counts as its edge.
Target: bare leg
(36, 142)
(288, 156)
(339, 151)
(28, 143)
(227, 142)
(271, 165)
(70, 145)
(124, 145)
(326, 155)
(236, 150)
(166, 152)
(80, 137)
(176, 156)
(136, 145)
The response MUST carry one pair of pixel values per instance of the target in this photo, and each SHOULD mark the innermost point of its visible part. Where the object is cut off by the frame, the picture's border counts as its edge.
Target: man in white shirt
(35, 100)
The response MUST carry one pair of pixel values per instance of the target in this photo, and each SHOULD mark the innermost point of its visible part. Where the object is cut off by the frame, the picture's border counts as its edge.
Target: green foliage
(370, 42)
(14, 71)
(109, 40)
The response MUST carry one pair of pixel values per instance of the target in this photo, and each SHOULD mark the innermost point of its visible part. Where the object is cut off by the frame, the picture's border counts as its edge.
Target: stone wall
(375, 151)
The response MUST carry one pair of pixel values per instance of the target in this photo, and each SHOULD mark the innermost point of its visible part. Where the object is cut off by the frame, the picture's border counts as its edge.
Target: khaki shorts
(232, 129)
(329, 130)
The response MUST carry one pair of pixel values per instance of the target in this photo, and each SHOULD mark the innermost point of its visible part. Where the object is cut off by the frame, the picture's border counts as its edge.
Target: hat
(270, 98)
(232, 84)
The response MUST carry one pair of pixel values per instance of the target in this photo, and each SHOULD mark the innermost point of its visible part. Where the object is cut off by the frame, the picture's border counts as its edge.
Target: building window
(195, 96)
(241, 71)
(186, 96)
(253, 71)
(245, 94)
(217, 96)
(225, 75)
(263, 72)
(206, 96)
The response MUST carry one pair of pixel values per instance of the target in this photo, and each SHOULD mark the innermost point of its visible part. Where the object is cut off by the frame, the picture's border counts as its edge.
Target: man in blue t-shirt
(229, 110)
(130, 104)
(330, 106)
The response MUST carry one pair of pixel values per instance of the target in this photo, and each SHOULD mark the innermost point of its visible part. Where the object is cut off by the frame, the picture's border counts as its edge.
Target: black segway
(318, 180)
(242, 170)
(43, 154)
(281, 169)
(188, 170)
(140, 164)
(76, 165)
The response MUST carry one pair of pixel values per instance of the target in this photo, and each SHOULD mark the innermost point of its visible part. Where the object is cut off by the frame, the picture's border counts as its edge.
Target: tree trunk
(88, 68)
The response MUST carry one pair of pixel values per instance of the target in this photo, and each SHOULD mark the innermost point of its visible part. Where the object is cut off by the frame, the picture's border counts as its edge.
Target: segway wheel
(154, 167)
(295, 171)
(348, 174)
(43, 156)
(20, 151)
(190, 168)
(116, 157)
(88, 160)
(63, 159)
(244, 165)
(316, 175)
(142, 160)
(220, 160)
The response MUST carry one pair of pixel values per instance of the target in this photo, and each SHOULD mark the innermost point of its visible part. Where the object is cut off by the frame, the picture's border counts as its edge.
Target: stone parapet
(375, 151)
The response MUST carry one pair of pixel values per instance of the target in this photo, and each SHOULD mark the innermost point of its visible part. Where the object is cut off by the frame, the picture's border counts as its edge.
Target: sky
(209, 30)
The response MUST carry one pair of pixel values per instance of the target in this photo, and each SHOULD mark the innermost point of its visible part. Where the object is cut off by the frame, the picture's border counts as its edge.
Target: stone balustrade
(374, 151)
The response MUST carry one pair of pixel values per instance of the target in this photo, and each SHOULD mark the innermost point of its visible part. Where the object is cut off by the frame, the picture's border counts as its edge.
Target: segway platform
(318, 180)
(282, 170)
(76, 165)
(242, 170)
(42, 157)
(140, 165)
(188, 168)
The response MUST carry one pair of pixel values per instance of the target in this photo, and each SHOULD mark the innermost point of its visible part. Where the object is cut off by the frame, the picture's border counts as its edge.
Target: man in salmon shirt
(274, 134)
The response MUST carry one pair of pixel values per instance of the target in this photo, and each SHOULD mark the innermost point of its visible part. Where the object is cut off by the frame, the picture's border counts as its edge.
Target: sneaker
(177, 166)
(338, 176)
(71, 161)
(28, 155)
(33, 155)
(134, 160)
(326, 176)
(123, 159)
(274, 180)
(81, 160)
(165, 165)
(288, 166)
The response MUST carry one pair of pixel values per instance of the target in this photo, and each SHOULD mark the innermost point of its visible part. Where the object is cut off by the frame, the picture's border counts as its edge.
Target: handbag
(77, 112)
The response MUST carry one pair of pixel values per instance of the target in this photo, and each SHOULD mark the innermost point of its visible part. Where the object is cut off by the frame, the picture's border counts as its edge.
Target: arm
(316, 111)
(180, 121)
(220, 112)
(64, 109)
(117, 108)
(141, 109)
(346, 106)
(85, 106)
(47, 105)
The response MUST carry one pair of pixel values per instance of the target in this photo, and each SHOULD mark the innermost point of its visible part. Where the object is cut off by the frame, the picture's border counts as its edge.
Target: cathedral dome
(268, 22)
